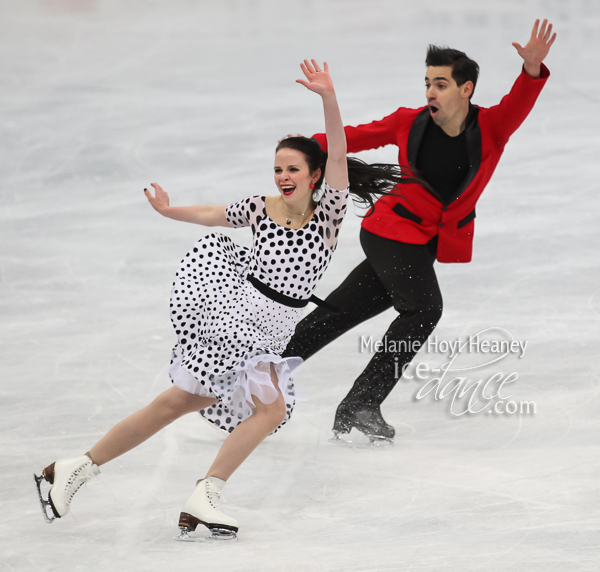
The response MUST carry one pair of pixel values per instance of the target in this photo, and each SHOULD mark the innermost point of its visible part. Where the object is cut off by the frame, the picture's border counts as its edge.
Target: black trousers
(394, 274)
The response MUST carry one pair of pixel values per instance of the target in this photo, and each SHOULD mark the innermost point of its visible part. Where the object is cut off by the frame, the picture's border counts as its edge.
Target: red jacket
(423, 214)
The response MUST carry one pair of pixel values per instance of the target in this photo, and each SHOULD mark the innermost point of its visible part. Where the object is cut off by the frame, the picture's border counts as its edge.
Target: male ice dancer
(454, 146)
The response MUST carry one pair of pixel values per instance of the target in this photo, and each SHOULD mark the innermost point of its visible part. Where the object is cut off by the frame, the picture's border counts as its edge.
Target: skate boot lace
(76, 480)
(213, 495)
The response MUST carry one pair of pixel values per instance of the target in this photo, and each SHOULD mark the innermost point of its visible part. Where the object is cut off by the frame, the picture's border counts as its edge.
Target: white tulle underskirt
(238, 389)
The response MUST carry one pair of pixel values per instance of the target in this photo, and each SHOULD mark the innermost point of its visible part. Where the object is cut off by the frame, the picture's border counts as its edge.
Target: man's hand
(537, 48)
(288, 136)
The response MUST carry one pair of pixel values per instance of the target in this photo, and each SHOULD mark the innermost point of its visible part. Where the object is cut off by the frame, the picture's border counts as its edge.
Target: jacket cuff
(544, 72)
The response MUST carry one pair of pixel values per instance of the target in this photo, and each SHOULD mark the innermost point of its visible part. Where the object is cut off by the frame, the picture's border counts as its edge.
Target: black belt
(288, 300)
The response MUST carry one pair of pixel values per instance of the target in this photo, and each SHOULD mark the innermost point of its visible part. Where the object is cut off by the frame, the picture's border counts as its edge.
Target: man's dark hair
(463, 68)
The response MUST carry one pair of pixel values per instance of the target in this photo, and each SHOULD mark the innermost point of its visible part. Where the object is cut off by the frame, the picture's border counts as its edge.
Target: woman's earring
(312, 186)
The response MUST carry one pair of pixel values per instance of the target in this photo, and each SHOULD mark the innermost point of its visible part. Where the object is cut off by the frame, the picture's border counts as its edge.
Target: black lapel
(415, 136)
(473, 134)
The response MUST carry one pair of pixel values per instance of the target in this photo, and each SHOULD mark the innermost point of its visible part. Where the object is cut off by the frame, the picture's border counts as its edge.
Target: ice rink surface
(99, 98)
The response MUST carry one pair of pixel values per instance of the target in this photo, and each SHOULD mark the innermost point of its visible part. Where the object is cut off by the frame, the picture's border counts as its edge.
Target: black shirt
(443, 160)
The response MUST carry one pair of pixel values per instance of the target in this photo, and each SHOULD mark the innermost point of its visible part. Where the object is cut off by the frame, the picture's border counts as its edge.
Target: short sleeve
(243, 212)
(331, 212)
(334, 202)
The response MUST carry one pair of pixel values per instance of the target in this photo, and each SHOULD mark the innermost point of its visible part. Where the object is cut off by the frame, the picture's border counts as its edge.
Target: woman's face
(293, 177)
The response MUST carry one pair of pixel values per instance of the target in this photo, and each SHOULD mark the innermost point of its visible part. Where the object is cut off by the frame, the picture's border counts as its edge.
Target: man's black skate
(367, 419)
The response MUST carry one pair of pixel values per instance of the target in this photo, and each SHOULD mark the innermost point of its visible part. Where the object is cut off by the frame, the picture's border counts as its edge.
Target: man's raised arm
(368, 136)
(507, 116)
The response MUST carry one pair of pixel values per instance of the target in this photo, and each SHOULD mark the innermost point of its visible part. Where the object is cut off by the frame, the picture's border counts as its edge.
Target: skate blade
(358, 440)
(218, 535)
(44, 502)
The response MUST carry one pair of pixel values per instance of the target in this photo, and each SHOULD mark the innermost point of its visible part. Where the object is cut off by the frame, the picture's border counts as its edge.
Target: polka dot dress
(229, 335)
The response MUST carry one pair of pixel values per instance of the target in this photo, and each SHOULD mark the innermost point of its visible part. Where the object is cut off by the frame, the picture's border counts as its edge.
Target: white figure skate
(203, 508)
(66, 477)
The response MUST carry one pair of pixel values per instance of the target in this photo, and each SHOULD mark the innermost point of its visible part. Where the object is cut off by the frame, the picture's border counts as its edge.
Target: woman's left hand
(319, 80)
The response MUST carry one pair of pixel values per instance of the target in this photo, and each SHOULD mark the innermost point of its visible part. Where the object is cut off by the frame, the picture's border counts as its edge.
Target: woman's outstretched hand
(319, 80)
(159, 202)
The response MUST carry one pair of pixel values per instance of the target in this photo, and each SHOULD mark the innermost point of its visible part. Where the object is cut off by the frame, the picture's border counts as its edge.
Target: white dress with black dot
(228, 333)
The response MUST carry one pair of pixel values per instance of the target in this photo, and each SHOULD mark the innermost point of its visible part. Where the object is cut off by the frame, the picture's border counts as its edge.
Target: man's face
(446, 100)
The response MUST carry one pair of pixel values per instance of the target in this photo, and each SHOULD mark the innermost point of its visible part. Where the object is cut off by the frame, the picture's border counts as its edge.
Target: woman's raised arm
(319, 81)
(206, 215)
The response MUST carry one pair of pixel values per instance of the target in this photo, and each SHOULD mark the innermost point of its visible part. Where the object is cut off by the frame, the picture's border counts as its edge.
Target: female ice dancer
(234, 311)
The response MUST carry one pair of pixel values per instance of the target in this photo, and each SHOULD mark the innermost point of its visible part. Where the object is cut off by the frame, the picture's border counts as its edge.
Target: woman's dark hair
(366, 181)
(463, 68)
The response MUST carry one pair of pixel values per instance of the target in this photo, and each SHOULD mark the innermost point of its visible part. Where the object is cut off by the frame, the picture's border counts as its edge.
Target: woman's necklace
(288, 219)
